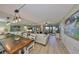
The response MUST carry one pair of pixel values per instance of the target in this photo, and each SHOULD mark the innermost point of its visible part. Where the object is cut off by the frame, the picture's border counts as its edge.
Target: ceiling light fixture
(46, 23)
(8, 22)
(17, 17)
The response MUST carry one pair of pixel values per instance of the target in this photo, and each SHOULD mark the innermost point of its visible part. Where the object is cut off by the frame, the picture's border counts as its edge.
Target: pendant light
(8, 22)
(17, 17)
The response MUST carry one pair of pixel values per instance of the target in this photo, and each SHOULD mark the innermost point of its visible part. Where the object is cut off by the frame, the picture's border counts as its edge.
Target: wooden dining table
(13, 46)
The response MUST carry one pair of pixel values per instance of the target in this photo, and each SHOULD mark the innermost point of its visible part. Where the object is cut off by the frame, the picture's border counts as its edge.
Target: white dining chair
(27, 50)
(2, 50)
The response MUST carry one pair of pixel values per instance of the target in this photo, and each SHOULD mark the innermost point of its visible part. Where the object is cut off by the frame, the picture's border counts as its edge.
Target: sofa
(42, 38)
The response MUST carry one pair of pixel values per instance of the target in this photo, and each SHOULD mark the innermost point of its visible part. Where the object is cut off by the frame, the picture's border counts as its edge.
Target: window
(15, 28)
(72, 26)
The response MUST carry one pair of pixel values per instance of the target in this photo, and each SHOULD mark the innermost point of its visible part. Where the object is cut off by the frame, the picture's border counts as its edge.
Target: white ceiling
(38, 13)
